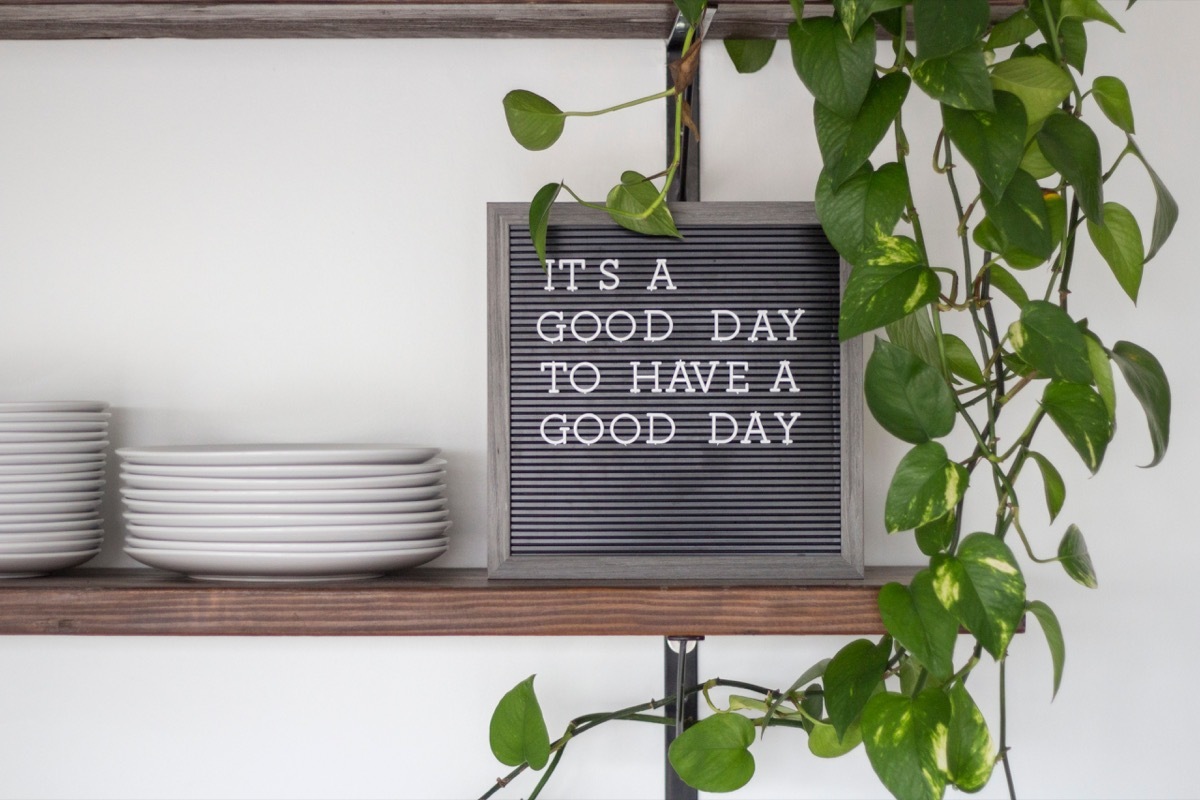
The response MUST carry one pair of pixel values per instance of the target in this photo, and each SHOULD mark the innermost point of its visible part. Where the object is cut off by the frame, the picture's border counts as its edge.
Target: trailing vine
(1027, 178)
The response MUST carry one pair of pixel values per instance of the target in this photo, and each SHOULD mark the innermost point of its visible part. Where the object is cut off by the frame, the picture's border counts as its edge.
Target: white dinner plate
(396, 507)
(279, 520)
(11, 500)
(49, 546)
(10, 510)
(286, 470)
(27, 565)
(52, 471)
(54, 407)
(285, 547)
(308, 533)
(46, 448)
(53, 536)
(52, 427)
(184, 482)
(277, 454)
(83, 460)
(29, 437)
(284, 496)
(88, 522)
(49, 487)
(54, 417)
(8, 520)
(282, 566)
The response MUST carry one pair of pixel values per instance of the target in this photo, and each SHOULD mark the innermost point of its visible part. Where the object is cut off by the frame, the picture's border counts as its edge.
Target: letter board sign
(672, 408)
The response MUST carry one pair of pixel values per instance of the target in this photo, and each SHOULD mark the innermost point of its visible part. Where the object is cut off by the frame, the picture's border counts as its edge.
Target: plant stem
(1012, 789)
(630, 104)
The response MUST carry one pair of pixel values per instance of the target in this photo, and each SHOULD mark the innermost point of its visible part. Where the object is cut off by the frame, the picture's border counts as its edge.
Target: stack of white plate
(51, 482)
(284, 512)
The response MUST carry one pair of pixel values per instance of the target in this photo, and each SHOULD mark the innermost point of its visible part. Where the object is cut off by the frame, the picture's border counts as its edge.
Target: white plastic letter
(650, 436)
(791, 323)
(651, 313)
(762, 323)
(616, 279)
(755, 427)
(717, 313)
(787, 426)
(562, 430)
(713, 415)
(637, 429)
(595, 377)
(785, 373)
(555, 315)
(638, 377)
(661, 269)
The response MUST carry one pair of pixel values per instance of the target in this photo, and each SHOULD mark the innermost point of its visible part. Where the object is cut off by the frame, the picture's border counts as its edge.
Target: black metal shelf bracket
(686, 186)
(681, 669)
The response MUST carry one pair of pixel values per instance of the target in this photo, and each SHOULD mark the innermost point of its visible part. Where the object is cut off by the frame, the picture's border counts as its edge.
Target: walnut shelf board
(431, 602)
(534, 19)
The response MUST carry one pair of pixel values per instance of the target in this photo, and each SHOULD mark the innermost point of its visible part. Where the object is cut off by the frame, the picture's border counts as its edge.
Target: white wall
(277, 240)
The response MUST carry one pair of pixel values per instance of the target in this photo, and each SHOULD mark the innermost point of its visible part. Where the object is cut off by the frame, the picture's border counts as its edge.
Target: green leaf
(864, 210)
(915, 617)
(807, 677)
(970, 752)
(1011, 30)
(1119, 240)
(1052, 483)
(1148, 381)
(935, 536)
(959, 80)
(749, 55)
(915, 334)
(927, 485)
(1021, 220)
(1102, 373)
(1040, 85)
(518, 731)
(1071, 146)
(1074, 42)
(1113, 98)
(836, 68)
(906, 741)
(1082, 417)
(909, 398)
(1005, 283)
(992, 142)
(1054, 638)
(692, 10)
(890, 284)
(1166, 210)
(539, 217)
(533, 121)
(1048, 340)
(851, 678)
(713, 755)
(982, 586)
(1035, 163)
(853, 13)
(847, 143)
(634, 195)
(1089, 10)
(1073, 555)
(823, 741)
(947, 26)
(961, 359)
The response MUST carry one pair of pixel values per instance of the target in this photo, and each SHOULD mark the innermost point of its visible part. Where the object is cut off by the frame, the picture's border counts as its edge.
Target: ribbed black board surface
(687, 496)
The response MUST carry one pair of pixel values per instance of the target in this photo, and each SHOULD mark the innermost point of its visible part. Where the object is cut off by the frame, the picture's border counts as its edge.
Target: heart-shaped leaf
(915, 334)
(1006, 283)
(823, 741)
(847, 142)
(1102, 374)
(1046, 338)
(1074, 42)
(1148, 381)
(1119, 241)
(1072, 147)
(749, 55)
(982, 586)
(713, 755)
(1041, 85)
(628, 202)
(970, 752)
(1052, 483)
(836, 68)
(915, 617)
(539, 217)
(1015, 28)
(1166, 210)
(533, 121)
(959, 80)
(1080, 413)
(1089, 10)
(1054, 638)
(1073, 555)
(518, 731)
(864, 210)
(1113, 98)
(908, 397)
(927, 485)
(1021, 219)
(934, 537)
(692, 10)
(992, 142)
(851, 678)
(906, 742)
(961, 360)
(947, 26)
(890, 284)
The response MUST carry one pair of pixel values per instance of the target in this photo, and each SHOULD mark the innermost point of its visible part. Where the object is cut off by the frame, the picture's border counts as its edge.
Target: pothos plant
(1027, 179)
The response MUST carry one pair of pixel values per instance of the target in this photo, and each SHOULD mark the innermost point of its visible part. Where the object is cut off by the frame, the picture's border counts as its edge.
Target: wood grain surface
(432, 602)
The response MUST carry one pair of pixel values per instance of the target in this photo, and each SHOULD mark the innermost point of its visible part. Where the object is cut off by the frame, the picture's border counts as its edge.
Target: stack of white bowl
(51, 482)
(284, 512)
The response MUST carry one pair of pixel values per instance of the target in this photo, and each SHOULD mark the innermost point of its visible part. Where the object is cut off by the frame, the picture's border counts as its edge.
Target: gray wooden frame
(502, 217)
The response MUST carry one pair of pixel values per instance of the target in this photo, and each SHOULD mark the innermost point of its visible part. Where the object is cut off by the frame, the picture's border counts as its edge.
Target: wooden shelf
(537, 19)
(431, 602)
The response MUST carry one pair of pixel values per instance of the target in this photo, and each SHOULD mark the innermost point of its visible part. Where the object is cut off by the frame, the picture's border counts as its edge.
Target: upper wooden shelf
(432, 602)
(534, 19)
